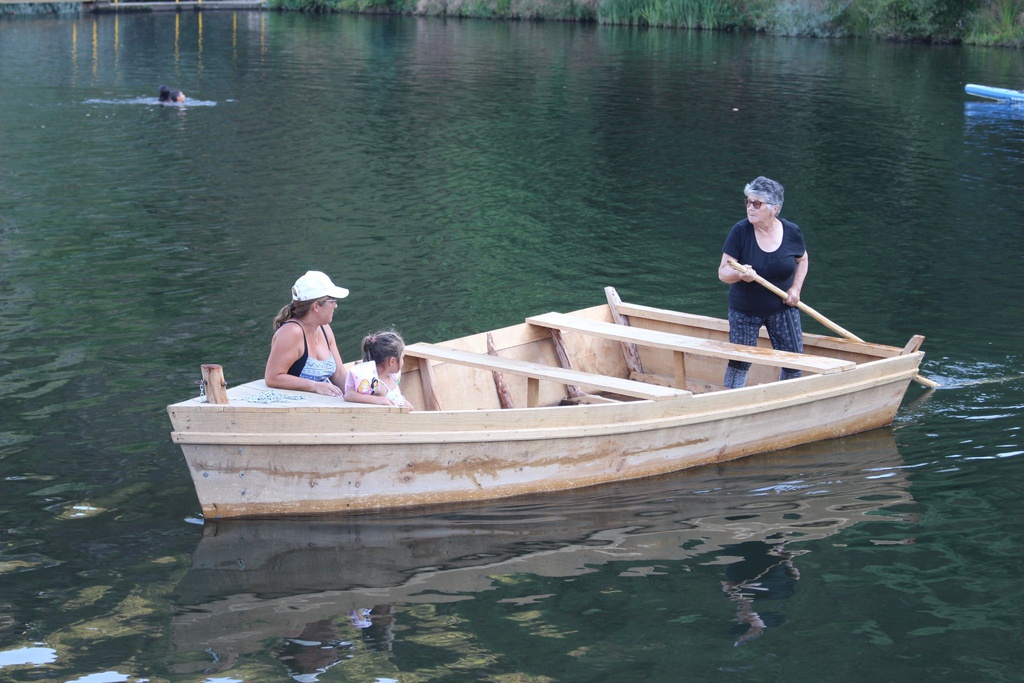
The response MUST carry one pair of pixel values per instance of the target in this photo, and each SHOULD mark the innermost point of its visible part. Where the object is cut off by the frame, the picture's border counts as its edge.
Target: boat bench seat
(538, 371)
(682, 344)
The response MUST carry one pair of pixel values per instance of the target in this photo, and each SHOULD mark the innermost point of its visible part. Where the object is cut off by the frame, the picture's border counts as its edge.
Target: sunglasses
(756, 203)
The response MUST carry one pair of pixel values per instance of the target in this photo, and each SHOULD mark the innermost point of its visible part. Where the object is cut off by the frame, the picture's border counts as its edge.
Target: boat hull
(257, 460)
(253, 580)
(1001, 94)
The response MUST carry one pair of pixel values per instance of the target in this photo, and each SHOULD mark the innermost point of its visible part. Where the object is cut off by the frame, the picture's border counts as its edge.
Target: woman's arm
(730, 275)
(802, 263)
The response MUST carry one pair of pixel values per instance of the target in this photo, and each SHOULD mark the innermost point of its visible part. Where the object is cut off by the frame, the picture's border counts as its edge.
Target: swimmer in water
(171, 96)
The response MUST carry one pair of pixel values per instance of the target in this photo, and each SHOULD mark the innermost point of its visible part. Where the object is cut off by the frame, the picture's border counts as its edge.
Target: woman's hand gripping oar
(924, 381)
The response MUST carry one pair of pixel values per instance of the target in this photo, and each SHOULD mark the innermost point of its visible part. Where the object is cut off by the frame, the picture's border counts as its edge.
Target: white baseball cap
(314, 285)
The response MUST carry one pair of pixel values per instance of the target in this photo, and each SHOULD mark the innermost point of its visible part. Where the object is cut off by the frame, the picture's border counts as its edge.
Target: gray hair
(767, 188)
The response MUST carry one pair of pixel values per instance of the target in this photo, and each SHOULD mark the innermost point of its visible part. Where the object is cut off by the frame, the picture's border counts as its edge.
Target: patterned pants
(783, 330)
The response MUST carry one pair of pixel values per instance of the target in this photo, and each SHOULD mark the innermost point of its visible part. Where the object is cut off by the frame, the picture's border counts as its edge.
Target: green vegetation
(979, 22)
(12, 8)
(997, 22)
(689, 14)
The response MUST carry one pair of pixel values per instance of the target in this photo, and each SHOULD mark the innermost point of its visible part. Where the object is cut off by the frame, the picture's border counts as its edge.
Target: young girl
(376, 379)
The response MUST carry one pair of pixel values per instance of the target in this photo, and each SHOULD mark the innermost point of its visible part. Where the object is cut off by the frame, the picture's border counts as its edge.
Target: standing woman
(773, 248)
(303, 353)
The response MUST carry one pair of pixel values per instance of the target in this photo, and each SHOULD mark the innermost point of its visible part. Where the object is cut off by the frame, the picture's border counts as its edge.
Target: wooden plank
(538, 371)
(504, 395)
(429, 383)
(665, 315)
(563, 360)
(629, 351)
(532, 392)
(213, 382)
(914, 345)
(679, 366)
(676, 317)
(108, 6)
(678, 342)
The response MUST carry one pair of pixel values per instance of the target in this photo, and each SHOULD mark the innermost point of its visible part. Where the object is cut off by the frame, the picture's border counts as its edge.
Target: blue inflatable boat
(1001, 94)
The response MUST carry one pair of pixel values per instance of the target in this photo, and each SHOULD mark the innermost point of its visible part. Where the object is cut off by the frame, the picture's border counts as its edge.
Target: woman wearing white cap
(303, 353)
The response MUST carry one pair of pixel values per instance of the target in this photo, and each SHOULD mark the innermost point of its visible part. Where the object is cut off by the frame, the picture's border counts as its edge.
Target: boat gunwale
(681, 411)
(532, 333)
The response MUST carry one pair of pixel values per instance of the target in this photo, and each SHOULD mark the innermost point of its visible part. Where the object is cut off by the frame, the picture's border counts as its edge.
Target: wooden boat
(992, 93)
(613, 392)
(254, 581)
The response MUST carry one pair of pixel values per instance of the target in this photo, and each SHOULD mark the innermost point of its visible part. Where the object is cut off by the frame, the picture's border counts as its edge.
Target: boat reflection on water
(296, 580)
(993, 112)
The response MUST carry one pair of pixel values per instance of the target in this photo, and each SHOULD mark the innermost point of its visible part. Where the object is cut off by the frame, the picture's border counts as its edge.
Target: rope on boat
(272, 397)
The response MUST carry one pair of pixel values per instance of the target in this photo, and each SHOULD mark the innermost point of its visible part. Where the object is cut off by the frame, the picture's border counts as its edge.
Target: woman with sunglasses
(303, 353)
(773, 248)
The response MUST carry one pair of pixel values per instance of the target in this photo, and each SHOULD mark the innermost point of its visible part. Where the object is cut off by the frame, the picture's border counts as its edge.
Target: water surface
(457, 176)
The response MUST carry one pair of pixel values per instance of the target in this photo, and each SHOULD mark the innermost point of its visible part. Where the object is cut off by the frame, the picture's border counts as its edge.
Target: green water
(458, 176)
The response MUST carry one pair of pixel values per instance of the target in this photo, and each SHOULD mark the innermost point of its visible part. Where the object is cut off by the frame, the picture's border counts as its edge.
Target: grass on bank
(978, 22)
(997, 23)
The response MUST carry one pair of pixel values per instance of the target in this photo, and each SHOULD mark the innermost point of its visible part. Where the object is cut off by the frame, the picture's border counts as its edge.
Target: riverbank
(977, 22)
(104, 6)
(981, 22)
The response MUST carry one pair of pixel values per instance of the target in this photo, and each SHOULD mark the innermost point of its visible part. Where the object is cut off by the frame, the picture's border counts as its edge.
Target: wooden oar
(920, 379)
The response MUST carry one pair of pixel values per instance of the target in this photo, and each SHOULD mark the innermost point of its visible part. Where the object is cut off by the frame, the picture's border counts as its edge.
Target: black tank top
(296, 368)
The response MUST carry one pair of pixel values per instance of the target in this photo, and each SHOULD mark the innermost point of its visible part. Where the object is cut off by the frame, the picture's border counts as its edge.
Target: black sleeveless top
(297, 367)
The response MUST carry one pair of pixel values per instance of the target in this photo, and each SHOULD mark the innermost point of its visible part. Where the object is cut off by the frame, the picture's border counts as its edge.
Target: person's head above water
(168, 95)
